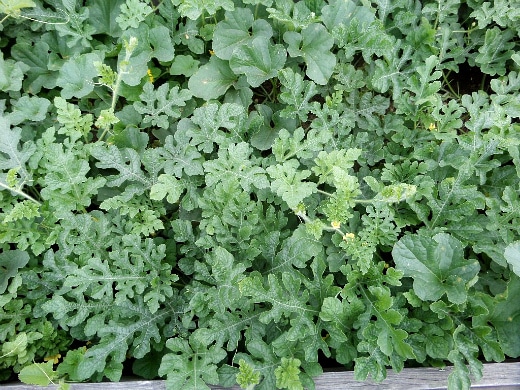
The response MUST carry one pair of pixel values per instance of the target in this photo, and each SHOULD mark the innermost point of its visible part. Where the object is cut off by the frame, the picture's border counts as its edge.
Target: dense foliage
(221, 192)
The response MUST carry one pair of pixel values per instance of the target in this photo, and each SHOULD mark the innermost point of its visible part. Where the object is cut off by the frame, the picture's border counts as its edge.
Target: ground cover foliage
(222, 192)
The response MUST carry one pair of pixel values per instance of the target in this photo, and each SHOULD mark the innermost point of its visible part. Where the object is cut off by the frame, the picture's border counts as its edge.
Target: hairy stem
(20, 192)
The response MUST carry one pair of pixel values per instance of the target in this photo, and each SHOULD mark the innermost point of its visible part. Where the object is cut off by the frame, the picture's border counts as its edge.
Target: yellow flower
(55, 358)
(432, 126)
(335, 224)
(348, 236)
(150, 76)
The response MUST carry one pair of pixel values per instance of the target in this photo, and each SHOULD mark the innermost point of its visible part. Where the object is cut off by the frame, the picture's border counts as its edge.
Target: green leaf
(180, 157)
(160, 43)
(212, 80)
(161, 104)
(296, 251)
(259, 61)
(436, 265)
(27, 108)
(288, 182)
(425, 84)
(167, 186)
(299, 144)
(26, 209)
(193, 9)
(512, 255)
(10, 262)
(40, 374)
(343, 12)
(188, 34)
(391, 74)
(69, 365)
(132, 327)
(293, 15)
(235, 163)
(313, 44)
(247, 376)
(155, 42)
(279, 291)
(234, 220)
(126, 161)
(106, 119)
(13, 7)
(78, 33)
(148, 366)
(191, 365)
(74, 123)
(365, 109)
(12, 156)
(496, 51)
(214, 124)
(287, 374)
(39, 58)
(11, 74)
(75, 76)
(396, 193)
(225, 274)
(504, 314)
(133, 12)
(329, 162)
(338, 207)
(103, 14)
(66, 185)
(184, 65)
(465, 351)
(296, 93)
(454, 200)
(238, 29)
(370, 39)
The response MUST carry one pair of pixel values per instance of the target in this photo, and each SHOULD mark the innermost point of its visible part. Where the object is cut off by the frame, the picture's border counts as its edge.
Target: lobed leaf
(436, 265)
(259, 61)
(288, 182)
(162, 104)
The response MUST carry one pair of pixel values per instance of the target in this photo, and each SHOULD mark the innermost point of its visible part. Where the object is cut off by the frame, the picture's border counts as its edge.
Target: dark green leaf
(234, 31)
(313, 44)
(212, 80)
(191, 364)
(259, 61)
(10, 262)
(437, 266)
(75, 76)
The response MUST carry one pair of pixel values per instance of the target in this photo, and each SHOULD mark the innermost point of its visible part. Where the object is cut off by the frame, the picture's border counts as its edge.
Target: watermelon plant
(242, 192)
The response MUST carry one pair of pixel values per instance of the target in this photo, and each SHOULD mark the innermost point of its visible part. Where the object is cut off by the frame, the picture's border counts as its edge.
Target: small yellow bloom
(211, 52)
(348, 236)
(335, 224)
(432, 126)
(55, 359)
(150, 76)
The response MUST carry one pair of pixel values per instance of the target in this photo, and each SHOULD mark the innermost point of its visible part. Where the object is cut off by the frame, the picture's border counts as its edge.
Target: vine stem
(445, 77)
(324, 192)
(129, 47)
(19, 192)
